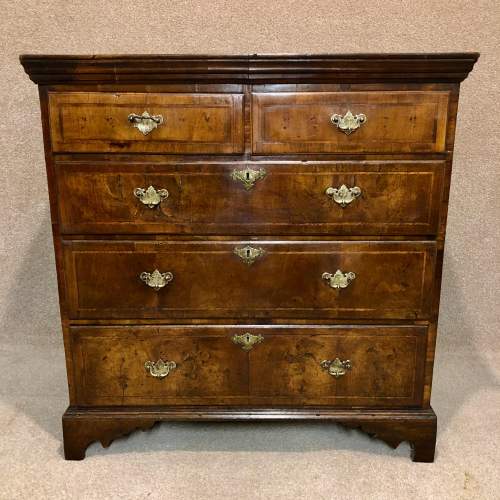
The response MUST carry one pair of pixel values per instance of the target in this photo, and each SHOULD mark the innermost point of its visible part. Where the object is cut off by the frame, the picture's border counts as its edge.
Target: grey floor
(267, 460)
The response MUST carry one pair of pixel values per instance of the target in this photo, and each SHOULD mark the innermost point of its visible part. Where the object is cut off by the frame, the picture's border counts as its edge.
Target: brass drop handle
(145, 123)
(150, 196)
(246, 341)
(248, 177)
(339, 279)
(349, 122)
(156, 279)
(343, 195)
(336, 368)
(160, 368)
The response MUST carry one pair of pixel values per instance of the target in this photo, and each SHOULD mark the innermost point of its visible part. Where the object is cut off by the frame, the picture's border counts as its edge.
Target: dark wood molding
(333, 68)
(81, 427)
(362, 68)
(80, 431)
(134, 69)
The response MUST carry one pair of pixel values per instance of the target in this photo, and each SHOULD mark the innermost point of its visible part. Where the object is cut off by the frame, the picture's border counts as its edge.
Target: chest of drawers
(249, 237)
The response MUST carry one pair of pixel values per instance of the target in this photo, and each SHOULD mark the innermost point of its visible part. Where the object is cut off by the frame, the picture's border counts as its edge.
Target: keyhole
(247, 176)
(248, 252)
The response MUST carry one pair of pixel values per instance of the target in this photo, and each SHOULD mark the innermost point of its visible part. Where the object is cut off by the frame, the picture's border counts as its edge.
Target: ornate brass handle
(248, 177)
(247, 340)
(349, 122)
(145, 123)
(339, 279)
(336, 368)
(160, 368)
(151, 196)
(343, 195)
(156, 280)
(249, 254)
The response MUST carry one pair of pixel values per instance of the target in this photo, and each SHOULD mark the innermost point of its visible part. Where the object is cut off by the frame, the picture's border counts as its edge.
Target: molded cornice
(328, 68)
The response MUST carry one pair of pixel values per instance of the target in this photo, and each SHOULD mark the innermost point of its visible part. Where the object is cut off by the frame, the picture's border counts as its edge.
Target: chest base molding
(82, 427)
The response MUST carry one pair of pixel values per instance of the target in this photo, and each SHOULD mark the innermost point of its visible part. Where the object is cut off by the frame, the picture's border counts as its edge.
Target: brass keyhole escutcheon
(249, 254)
(247, 340)
(248, 177)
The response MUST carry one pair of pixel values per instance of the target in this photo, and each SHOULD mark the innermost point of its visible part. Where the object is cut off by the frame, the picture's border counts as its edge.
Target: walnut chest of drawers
(249, 237)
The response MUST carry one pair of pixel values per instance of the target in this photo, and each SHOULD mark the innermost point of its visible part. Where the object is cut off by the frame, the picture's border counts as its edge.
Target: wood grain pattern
(397, 122)
(397, 198)
(109, 364)
(284, 369)
(387, 366)
(193, 123)
(258, 111)
(393, 280)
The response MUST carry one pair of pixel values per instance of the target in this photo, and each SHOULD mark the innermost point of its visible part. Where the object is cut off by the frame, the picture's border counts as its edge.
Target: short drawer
(365, 366)
(150, 123)
(249, 279)
(344, 198)
(349, 122)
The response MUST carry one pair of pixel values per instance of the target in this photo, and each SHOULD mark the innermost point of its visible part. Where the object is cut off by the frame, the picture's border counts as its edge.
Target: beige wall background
(470, 303)
(257, 461)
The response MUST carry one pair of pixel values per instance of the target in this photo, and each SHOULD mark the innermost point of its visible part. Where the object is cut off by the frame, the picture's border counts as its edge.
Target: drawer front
(110, 366)
(177, 123)
(381, 122)
(358, 366)
(259, 198)
(249, 279)
(316, 365)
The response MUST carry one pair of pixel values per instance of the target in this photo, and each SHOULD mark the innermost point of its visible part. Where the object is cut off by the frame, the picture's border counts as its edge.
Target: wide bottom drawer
(363, 366)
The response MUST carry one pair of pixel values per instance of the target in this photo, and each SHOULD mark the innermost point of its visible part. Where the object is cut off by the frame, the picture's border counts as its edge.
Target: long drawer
(314, 365)
(345, 198)
(249, 279)
(146, 122)
(349, 122)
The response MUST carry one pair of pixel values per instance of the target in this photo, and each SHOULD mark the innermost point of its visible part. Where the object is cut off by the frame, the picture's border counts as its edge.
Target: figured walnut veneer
(194, 123)
(393, 279)
(398, 197)
(249, 237)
